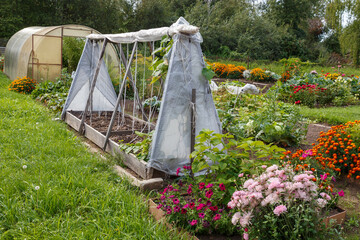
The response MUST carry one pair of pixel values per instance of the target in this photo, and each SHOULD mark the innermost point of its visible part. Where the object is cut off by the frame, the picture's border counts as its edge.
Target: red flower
(183, 211)
(222, 187)
(209, 193)
(201, 185)
(217, 217)
(189, 191)
(213, 208)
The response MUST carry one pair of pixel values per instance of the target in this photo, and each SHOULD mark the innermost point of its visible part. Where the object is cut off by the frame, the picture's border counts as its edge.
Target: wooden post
(119, 96)
(193, 125)
(93, 84)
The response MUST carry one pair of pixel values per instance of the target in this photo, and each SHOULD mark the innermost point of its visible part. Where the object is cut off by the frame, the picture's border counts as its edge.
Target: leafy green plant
(141, 148)
(160, 63)
(261, 117)
(223, 158)
(54, 94)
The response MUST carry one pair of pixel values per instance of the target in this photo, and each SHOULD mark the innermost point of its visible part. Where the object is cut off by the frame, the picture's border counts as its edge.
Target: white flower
(24, 167)
(37, 188)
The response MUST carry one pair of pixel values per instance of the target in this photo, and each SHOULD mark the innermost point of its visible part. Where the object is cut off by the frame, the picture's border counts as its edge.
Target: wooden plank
(72, 121)
(138, 166)
(124, 132)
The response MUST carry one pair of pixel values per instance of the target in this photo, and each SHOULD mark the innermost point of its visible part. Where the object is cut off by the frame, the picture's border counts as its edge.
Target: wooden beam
(119, 96)
(93, 84)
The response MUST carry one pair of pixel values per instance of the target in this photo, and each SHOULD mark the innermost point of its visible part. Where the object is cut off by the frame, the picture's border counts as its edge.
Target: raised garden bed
(151, 178)
(338, 215)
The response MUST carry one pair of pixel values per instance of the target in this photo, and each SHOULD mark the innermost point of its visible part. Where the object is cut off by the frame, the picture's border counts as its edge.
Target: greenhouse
(37, 52)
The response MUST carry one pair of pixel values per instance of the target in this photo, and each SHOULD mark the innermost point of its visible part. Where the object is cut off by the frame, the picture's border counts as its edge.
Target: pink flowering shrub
(197, 207)
(279, 204)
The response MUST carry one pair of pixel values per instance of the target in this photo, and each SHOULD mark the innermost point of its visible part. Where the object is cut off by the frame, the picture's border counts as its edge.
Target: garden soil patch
(101, 122)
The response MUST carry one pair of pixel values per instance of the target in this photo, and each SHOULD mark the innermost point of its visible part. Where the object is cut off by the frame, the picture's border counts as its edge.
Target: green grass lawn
(51, 187)
(332, 115)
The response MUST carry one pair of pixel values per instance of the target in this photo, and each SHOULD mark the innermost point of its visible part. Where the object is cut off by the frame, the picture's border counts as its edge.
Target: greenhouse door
(46, 57)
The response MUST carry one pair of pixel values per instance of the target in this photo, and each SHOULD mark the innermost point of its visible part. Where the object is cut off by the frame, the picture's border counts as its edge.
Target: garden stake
(193, 124)
(93, 83)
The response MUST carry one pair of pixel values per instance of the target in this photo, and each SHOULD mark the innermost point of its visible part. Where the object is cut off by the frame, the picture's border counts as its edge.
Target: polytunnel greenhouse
(37, 52)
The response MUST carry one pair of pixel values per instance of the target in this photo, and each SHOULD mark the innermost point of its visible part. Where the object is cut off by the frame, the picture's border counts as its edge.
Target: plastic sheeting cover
(171, 141)
(104, 96)
(154, 34)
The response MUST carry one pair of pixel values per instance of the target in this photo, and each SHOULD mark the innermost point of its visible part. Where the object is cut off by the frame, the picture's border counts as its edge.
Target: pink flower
(323, 177)
(170, 188)
(193, 222)
(241, 175)
(217, 217)
(341, 193)
(162, 197)
(168, 211)
(177, 209)
(192, 205)
(246, 229)
(201, 206)
(245, 219)
(201, 185)
(280, 209)
(159, 206)
(264, 166)
(235, 218)
(201, 215)
(222, 187)
(178, 171)
(189, 191)
(325, 196)
(176, 201)
(209, 193)
(183, 211)
(246, 236)
(209, 185)
(213, 208)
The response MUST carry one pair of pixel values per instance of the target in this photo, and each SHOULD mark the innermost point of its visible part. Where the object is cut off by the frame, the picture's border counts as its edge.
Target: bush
(259, 75)
(339, 148)
(54, 94)
(228, 70)
(23, 85)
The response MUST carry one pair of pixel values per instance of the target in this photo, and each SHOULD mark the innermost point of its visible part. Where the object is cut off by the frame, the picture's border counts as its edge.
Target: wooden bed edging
(138, 166)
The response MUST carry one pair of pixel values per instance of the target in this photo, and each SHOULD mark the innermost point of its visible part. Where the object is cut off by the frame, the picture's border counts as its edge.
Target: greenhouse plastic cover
(104, 96)
(171, 140)
(154, 34)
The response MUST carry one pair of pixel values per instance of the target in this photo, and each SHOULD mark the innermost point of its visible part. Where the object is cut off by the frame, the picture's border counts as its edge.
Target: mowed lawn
(51, 187)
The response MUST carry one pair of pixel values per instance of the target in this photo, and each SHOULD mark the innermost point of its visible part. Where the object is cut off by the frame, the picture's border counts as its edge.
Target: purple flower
(217, 217)
(176, 201)
(206, 224)
(180, 183)
(201, 215)
(193, 222)
(341, 193)
(280, 209)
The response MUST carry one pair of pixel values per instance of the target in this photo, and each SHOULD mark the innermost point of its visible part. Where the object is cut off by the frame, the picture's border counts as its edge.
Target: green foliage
(72, 50)
(160, 63)
(141, 148)
(54, 94)
(261, 117)
(223, 158)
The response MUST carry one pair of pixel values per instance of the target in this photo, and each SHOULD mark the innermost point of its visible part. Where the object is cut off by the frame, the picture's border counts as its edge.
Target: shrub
(279, 204)
(23, 85)
(228, 70)
(339, 148)
(259, 75)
